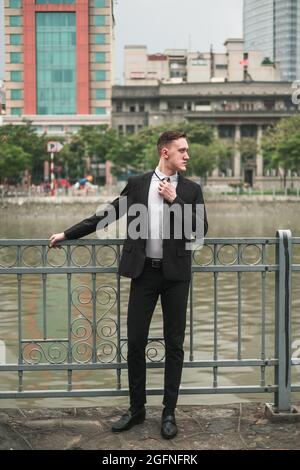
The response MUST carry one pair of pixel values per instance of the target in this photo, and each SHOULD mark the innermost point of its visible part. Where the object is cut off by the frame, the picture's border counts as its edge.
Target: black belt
(154, 262)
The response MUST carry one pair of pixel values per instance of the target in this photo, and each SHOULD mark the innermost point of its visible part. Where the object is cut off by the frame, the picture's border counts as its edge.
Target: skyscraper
(273, 27)
(59, 62)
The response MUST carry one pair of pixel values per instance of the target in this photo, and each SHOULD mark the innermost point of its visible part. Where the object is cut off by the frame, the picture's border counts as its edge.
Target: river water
(225, 220)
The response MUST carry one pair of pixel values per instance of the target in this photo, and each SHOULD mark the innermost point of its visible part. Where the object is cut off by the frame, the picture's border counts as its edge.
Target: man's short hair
(167, 137)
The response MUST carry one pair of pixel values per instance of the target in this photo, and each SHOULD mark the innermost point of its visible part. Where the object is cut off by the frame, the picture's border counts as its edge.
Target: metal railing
(88, 316)
(242, 192)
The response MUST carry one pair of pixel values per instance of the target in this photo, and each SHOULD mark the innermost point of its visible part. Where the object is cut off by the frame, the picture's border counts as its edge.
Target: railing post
(283, 320)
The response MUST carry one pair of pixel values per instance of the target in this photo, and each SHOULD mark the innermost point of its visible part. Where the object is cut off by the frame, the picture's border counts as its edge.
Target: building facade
(180, 66)
(273, 27)
(58, 56)
(236, 110)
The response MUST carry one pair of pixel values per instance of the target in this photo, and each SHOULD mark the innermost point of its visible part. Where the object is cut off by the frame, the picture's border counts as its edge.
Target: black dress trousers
(144, 293)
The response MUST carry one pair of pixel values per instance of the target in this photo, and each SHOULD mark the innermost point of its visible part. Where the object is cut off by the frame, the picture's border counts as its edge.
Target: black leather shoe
(168, 426)
(129, 419)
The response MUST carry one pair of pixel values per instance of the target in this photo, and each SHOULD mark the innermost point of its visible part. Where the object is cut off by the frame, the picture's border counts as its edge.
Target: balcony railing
(64, 312)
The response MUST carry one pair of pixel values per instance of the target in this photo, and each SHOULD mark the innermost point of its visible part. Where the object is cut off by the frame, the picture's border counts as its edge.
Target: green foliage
(281, 145)
(204, 158)
(267, 61)
(224, 151)
(13, 161)
(248, 148)
(25, 138)
(135, 152)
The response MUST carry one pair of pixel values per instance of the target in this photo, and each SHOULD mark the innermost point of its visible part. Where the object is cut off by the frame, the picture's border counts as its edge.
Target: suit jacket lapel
(180, 189)
(146, 180)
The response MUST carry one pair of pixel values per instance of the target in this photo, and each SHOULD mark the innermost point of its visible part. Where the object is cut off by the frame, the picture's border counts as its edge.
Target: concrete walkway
(238, 426)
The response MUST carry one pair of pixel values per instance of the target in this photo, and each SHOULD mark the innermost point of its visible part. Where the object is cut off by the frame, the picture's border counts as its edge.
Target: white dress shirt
(154, 243)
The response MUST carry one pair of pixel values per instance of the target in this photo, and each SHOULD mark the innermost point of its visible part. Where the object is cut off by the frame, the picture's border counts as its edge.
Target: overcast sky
(162, 24)
(183, 24)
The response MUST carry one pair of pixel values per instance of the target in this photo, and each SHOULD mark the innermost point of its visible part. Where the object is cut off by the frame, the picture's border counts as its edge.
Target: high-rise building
(273, 27)
(59, 62)
(2, 98)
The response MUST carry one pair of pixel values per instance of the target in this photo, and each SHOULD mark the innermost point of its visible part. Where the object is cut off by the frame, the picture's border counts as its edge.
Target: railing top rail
(120, 241)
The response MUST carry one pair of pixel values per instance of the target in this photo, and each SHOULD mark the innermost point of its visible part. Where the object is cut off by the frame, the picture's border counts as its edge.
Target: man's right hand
(56, 237)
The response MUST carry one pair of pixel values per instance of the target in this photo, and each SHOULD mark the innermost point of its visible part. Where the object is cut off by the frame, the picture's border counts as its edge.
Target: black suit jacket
(176, 258)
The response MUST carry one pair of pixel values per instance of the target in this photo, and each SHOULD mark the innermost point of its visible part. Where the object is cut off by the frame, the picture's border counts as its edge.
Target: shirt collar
(173, 178)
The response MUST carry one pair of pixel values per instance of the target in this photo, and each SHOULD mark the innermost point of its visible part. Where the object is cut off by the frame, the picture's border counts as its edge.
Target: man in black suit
(159, 263)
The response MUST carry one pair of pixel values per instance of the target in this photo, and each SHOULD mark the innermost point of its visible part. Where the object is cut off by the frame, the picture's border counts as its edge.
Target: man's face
(176, 154)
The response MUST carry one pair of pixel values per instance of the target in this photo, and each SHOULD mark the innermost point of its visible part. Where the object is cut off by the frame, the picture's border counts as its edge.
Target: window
(132, 109)
(248, 130)
(100, 75)
(175, 105)
(226, 131)
(269, 104)
(119, 107)
(16, 76)
(99, 3)
(120, 129)
(15, 94)
(100, 110)
(99, 20)
(56, 62)
(130, 129)
(16, 111)
(100, 94)
(100, 57)
(15, 4)
(200, 61)
(142, 108)
(38, 129)
(15, 57)
(55, 128)
(99, 38)
(15, 39)
(55, 20)
(202, 106)
(15, 21)
(74, 129)
(65, 76)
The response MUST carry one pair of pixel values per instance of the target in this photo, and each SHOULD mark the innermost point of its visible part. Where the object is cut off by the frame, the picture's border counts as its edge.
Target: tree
(280, 145)
(198, 132)
(223, 151)
(13, 161)
(203, 160)
(96, 143)
(248, 148)
(25, 137)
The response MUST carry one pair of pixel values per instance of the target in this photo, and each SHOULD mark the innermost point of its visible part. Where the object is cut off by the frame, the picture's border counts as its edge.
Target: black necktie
(166, 178)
